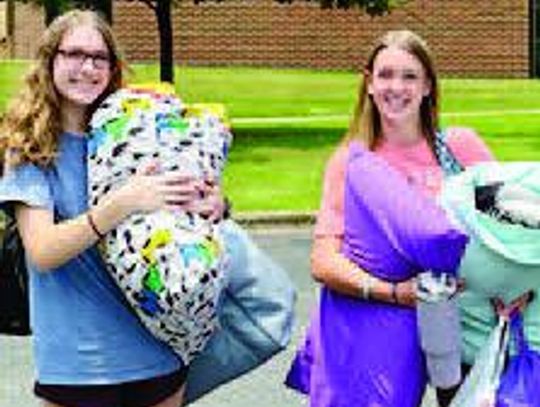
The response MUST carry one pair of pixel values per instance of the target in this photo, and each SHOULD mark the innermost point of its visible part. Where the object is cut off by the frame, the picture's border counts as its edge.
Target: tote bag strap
(446, 158)
(518, 332)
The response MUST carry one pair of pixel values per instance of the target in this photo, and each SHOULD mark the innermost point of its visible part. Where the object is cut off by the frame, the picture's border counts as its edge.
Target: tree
(162, 10)
(53, 8)
(10, 19)
(372, 7)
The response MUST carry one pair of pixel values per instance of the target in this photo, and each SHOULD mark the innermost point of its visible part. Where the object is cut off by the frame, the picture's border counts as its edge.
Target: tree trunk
(52, 10)
(105, 8)
(10, 27)
(163, 15)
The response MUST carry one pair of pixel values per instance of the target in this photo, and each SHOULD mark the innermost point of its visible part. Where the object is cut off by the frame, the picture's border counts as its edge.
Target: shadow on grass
(261, 145)
(253, 144)
(281, 137)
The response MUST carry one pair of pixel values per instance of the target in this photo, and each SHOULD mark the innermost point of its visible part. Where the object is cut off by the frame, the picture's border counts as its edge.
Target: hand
(406, 292)
(461, 285)
(148, 191)
(210, 203)
(517, 305)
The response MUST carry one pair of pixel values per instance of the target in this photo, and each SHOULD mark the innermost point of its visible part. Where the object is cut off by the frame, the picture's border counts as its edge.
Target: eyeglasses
(77, 58)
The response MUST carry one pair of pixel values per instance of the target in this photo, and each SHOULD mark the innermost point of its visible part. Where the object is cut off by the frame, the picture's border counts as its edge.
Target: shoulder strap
(446, 158)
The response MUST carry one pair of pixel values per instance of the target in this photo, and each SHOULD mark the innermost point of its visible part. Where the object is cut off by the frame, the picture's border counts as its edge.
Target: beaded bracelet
(93, 225)
(367, 285)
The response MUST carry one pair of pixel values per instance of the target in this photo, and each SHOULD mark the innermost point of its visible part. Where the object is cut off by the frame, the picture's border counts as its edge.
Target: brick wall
(29, 25)
(3, 34)
(490, 38)
(3, 25)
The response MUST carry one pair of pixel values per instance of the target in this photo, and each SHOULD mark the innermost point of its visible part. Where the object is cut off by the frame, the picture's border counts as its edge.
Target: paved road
(261, 388)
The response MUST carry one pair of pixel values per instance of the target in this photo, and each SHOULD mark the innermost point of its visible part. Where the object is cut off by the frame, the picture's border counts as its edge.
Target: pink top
(416, 162)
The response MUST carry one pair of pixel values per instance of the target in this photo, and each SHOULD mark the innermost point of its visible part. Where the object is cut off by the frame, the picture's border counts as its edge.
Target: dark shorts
(140, 393)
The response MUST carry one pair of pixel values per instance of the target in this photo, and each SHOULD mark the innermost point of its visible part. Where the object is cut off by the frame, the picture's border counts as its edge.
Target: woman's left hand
(210, 202)
(517, 305)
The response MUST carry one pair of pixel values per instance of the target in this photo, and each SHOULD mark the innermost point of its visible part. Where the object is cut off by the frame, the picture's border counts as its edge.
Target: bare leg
(176, 400)
(49, 404)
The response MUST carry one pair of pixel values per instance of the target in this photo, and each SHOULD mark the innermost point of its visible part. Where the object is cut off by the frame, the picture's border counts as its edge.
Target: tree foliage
(162, 10)
(54, 8)
(372, 7)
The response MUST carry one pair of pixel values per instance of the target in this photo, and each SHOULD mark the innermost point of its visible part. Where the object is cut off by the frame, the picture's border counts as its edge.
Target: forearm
(50, 245)
(60, 242)
(333, 269)
(110, 211)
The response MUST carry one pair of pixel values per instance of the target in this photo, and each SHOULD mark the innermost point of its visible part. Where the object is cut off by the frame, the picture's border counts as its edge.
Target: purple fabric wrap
(366, 353)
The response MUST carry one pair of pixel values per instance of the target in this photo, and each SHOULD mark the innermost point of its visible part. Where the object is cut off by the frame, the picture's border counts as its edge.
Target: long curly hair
(366, 120)
(30, 127)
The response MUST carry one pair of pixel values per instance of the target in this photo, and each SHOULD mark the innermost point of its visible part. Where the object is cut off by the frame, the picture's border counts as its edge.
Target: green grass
(278, 166)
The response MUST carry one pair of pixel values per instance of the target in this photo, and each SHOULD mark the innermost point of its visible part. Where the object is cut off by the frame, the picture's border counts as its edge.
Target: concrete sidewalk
(289, 244)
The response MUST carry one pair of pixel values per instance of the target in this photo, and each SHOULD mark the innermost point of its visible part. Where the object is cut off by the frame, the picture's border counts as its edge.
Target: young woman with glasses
(90, 349)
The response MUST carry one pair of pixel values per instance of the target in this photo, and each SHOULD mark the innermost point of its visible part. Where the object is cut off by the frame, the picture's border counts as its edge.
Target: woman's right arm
(51, 244)
(328, 264)
(330, 267)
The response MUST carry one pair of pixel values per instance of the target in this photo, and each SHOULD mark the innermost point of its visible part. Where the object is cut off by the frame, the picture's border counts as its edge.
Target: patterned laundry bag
(498, 204)
(170, 265)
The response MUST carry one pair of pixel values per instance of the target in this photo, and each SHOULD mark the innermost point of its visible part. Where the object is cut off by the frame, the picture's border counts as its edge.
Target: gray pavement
(262, 387)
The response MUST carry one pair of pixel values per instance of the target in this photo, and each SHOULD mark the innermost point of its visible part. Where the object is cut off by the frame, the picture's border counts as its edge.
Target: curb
(261, 219)
(280, 218)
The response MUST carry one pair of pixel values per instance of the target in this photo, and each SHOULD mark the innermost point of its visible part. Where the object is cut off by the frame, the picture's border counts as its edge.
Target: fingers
(206, 199)
(209, 208)
(410, 297)
(149, 169)
(406, 293)
(178, 178)
(202, 188)
(461, 285)
(506, 310)
(522, 301)
(174, 190)
(178, 196)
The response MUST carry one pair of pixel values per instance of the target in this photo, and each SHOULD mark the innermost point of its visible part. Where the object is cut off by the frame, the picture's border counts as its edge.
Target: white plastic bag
(480, 387)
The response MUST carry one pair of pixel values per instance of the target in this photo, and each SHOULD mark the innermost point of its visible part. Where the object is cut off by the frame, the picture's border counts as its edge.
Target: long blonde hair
(32, 123)
(366, 120)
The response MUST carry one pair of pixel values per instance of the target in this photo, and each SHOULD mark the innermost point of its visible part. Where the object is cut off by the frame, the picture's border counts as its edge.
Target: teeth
(396, 103)
(83, 83)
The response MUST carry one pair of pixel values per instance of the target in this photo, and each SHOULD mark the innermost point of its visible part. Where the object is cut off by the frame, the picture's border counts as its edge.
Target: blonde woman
(396, 117)
(89, 348)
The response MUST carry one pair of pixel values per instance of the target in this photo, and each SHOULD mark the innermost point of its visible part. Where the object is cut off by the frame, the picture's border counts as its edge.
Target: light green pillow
(502, 259)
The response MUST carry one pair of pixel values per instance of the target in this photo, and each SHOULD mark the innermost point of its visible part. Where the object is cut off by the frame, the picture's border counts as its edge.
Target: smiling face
(81, 66)
(397, 85)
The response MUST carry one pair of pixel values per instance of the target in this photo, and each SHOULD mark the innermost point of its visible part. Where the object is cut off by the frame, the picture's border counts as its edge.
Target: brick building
(483, 38)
